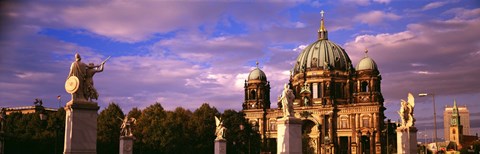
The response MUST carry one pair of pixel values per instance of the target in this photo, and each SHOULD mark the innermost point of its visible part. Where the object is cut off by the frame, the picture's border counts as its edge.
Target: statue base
(126, 144)
(81, 127)
(353, 148)
(406, 140)
(220, 146)
(289, 135)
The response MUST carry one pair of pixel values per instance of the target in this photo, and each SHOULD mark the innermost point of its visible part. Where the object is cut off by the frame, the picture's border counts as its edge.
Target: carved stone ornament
(128, 146)
(72, 84)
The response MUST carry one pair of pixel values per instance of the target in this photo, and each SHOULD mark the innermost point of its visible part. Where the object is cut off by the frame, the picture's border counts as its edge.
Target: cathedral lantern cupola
(368, 81)
(257, 90)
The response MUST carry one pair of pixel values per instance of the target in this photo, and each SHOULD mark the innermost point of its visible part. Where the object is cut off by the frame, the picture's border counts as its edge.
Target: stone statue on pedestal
(126, 127)
(220, 129)
(287, 101)
(81, 112)
(406, 111)
(80, 79)
(407, 133)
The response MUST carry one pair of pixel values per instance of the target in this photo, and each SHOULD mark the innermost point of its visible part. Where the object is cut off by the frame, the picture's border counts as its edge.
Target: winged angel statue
(126, 127)
(406, 111)
(220, 130)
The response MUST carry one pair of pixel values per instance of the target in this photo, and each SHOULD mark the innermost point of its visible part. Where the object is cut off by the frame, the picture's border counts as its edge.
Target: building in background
(36, 108)
(456, 132)
(341, 106)
(456, 127)
(464, 120)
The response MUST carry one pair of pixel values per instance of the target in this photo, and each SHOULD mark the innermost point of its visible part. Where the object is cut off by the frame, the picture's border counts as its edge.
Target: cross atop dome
(322, 31)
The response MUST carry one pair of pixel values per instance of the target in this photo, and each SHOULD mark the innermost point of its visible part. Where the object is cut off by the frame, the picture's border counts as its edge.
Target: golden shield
(72, 84)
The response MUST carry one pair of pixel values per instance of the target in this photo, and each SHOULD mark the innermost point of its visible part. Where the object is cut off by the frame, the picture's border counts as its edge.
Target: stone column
(372, 143)
(220, 146)
(126, 144)
(330, 128)
(349, 144)
(289, 135)
(81, 127)
(359, 141)
(406, 140)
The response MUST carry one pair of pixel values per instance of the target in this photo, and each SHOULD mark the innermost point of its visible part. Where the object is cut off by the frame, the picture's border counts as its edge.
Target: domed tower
(368, 81)
(257, 90)
(338, 114)
(326, 69)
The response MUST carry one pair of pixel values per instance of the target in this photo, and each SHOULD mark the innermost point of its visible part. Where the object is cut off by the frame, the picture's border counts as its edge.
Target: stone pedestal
(289, 135)
(81, 128)
(354, 148)
(126, 144)
(406, 140)
(378, 148)
(220, 146)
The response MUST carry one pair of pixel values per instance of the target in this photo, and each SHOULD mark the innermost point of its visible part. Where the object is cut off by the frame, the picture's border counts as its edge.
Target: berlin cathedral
(341, 106)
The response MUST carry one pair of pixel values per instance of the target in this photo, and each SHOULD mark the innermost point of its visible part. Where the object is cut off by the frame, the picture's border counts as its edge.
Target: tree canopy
(108, 129)
(156, 131)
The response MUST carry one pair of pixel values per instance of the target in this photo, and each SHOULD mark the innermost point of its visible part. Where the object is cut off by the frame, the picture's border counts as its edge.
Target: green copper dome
(323, 54)
(366, 63)
(257, 74)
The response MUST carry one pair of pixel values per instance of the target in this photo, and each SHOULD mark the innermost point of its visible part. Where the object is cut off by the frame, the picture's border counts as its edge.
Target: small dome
(366, 63)
(257, 74)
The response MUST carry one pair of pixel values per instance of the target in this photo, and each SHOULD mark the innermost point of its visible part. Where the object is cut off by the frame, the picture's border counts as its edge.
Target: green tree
(108, 129)
(56, 124)
(27, 130)
(135, 113)
(240, 139)
(149, 130)
(203, 123)
(178, 131)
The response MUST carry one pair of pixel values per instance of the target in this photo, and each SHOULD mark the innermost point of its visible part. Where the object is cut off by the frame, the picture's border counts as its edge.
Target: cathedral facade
(341, 106)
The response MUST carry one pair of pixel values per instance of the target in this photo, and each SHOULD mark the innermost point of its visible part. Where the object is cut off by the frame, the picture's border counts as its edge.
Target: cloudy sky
(186, 53)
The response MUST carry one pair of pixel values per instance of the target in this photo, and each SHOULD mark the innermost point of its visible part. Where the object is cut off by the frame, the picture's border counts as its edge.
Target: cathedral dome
(366, 63)
(322, 54)
(257, 74)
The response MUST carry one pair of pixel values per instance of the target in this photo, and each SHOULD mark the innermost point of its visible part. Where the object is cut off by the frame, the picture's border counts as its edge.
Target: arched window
(364, 86)
(453, 131)
(253, 94)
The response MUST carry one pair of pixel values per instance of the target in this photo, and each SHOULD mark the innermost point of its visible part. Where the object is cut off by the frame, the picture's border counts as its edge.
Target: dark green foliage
(156, 131)
(135, 113)
(240, 141)
(27, 130)
(149, 130)
(108, 129)
(203, 122)
(179, 132)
